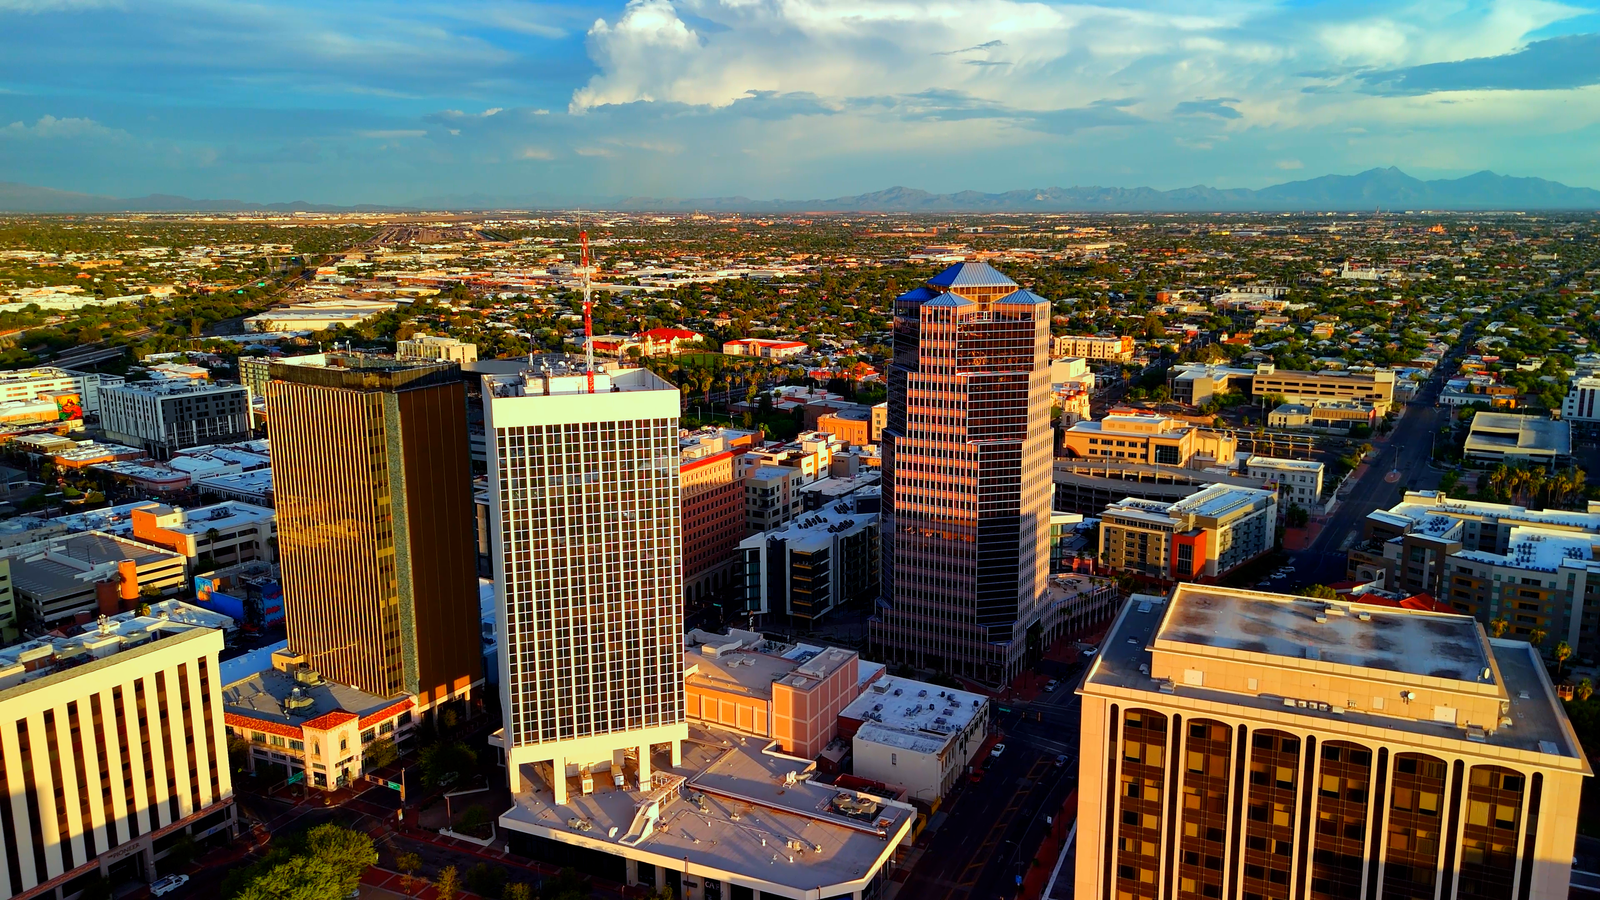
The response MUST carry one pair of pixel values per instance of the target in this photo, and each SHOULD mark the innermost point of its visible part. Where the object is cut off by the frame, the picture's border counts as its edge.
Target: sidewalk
(1050, 849)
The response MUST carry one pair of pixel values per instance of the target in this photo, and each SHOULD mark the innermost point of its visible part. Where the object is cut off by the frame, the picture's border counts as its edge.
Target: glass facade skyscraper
(588, 574)
(967, 462)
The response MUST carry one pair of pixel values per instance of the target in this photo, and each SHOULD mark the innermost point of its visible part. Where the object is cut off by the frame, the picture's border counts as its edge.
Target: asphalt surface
(991, 830)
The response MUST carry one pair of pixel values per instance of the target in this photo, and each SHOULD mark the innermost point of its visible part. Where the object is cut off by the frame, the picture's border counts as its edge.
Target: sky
(397, 101)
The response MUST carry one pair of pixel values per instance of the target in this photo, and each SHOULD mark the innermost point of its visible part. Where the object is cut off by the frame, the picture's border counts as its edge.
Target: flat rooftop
(262, 695)
(913, 715)
(561, 376)
(732, 811)
(1506, 433)
(1419, 504)
(1539, 550)
(68, 564)
(1220, 499)
(1539, 726)
(1273, 462)
(745, 662)
(31, 661)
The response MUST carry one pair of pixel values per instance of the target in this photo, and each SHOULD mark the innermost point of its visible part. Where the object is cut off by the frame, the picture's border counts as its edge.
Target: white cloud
(539, 153)
(1289, 164)
(48, 127)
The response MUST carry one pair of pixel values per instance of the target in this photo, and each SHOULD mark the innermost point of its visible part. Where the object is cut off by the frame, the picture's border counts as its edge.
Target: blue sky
(348, 101)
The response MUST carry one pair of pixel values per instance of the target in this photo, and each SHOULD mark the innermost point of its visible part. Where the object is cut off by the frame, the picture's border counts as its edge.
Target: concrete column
(644, 767)
(677, 753)
(558, 768)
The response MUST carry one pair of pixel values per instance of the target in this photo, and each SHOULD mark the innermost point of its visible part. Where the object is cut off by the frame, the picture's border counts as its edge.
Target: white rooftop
(913, 715)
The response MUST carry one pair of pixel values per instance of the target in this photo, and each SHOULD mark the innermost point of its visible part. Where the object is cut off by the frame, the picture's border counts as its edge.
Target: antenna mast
(588, 314)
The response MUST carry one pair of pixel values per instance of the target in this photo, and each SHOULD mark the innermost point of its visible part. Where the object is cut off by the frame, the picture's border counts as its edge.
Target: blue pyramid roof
(919, 295)
(1021, 297)
(949, 300)
(971, 275)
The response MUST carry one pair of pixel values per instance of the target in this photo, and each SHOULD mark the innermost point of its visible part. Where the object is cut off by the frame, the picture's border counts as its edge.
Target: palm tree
(1536, 637)
(1497, 627)
(1584, 690)
(1562, 653)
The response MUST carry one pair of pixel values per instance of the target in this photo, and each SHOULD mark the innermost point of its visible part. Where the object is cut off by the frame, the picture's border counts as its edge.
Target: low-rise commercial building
(90, 573)
(114, 752)
(788, 693)
(1203, 536)
(1299, 482)
(853, 425)
(427, 346)
(30, 384)
(763, 348)
(295, 718)
(812, 565)
(1149, 438)
(1496, 438)
(1334, 415)
(915, 736)
(1100, 348)
(225, 533)
(1375, 387)
(162, 417)
(1244, 744)
(1088, 486)
(1196, 384)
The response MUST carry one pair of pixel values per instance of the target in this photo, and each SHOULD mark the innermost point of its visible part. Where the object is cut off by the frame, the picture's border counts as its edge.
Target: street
(988, 832)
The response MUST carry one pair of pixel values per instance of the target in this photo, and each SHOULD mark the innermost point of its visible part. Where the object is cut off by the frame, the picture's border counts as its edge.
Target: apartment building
(163, 417)
(772, 496)
(1201, 537)
(444, 349)
(113, 752)
(1100, 348)
(1245, 744)
(1299, 482)
(1583, 398)
(1538, 570)
(713, 522)
(1149, 438)
(27, 384)
(813, 565)
(225, 533)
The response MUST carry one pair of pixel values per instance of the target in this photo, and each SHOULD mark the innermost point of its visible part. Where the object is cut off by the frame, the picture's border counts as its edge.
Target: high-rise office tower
(1266, 747)
(967, 475)
(584, 489)
(374, 493)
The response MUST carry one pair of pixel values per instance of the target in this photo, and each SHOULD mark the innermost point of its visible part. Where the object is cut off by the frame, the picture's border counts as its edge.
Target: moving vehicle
(998, 749)
(1051, 685)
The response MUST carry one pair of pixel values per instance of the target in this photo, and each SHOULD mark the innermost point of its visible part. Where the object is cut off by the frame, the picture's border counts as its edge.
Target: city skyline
(365, 104)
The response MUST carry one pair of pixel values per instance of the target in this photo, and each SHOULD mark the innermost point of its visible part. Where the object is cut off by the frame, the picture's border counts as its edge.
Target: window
(894, 759)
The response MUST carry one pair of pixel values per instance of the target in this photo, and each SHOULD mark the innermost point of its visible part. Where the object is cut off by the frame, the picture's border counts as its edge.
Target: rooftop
(815, 530)
(1217, 500)
(1507, 433)
(1272, 462)
(1418, 505)
(171, 387)
(748, 663)
(558, 375)
(34, 660)
(971, 274)
(363, 371)
(1538, 727)
(1538, 549)
(731, 806)
(68, 564)
(913, 715)
(268, 695)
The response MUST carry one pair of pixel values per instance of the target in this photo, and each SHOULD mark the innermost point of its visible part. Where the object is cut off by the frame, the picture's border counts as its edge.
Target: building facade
(1374, 387)
(915, 736)
(815, 564)
(445, 349)
(163, 417)
(588, 571)
(1253, 745)
(1203, 536)
(374, 500)
(27, 384)
(1299, 481)
(966, 491)
(713, 522)
(1099, 348)
(1149, 438)
(113, 751)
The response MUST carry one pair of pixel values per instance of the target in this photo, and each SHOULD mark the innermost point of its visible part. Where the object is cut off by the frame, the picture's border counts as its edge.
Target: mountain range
(1388, 189)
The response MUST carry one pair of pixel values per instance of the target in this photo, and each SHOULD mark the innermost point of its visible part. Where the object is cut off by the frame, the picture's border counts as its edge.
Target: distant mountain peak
(1380, 187)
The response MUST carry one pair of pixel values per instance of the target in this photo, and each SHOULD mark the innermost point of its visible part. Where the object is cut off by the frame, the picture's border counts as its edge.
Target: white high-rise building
(587, 564)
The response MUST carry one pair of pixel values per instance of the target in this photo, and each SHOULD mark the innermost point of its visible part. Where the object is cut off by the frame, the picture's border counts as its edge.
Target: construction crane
(588, 314)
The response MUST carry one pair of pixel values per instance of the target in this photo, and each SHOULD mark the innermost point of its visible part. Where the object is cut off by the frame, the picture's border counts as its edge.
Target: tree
(329, 864)
(1536, 637)
(448, 884)
(517, 891)
(408, 864)
(1497, 627)
(1297, 517)
(441, 759)
(1562, 653)
(1584, 690)
(380, 753)
(486, 880)
(1320, 591)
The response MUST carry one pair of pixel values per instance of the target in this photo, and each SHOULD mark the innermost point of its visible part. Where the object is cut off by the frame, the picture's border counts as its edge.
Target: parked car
(1051, 685)
(163, 886)
(998, 749)
(1061, 760)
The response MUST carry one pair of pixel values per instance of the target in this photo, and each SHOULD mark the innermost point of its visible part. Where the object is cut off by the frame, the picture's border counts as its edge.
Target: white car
(167, 885)
(998, 749)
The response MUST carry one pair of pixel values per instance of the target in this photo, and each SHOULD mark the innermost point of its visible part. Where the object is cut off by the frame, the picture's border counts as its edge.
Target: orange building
(790, 693)
(713, 521)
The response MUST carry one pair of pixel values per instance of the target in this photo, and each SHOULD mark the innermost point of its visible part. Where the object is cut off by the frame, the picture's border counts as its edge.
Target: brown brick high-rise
(371, 473)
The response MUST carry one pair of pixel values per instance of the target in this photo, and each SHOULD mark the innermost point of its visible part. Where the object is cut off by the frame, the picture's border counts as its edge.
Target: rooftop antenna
(588, 313)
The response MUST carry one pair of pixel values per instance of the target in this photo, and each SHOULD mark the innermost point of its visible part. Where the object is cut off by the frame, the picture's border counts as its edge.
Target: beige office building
(1095, 347)
(1267, 747)
(111, 751)
(1375, 387)
(1148, 438)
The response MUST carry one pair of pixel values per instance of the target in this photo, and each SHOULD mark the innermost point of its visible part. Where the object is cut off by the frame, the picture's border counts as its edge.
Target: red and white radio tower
(588, 314)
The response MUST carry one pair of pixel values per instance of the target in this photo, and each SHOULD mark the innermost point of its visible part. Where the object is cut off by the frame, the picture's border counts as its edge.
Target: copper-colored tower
(967, 476)
(373, 484)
